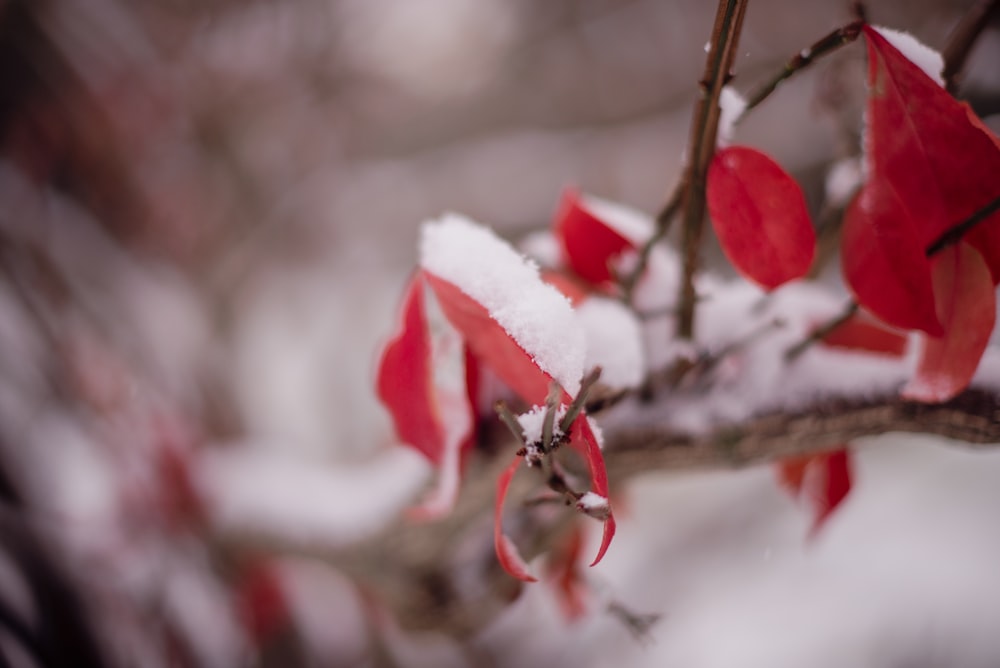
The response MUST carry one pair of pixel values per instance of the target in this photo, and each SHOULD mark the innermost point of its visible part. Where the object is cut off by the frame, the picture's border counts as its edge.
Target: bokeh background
(207, 212)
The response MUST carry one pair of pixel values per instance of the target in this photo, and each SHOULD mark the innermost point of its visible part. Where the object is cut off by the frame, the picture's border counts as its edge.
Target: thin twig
(822, 47)
(955, 233)
(701, 147)
(821, 333)
(663, 221)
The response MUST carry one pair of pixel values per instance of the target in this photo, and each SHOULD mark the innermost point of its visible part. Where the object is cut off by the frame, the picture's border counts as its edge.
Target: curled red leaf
(590, 245)
(510, 559)
(966, 303)
(759, 214)
(585, 441)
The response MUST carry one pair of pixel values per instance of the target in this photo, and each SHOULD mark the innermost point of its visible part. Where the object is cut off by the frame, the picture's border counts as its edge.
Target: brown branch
(962, 39)
(701, 147)
(973, 417)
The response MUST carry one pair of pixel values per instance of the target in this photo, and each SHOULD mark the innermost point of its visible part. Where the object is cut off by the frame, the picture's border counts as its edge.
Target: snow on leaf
(821, 481)
(590, 245)
(884, 262)
(938, 157)
(967, 308)
(507, 553)
(759, 214)
(519, 326)
(866, 334)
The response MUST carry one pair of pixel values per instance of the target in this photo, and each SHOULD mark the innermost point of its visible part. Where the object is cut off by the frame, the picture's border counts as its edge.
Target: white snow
(731, 105)
(614, 341)
(921, 55)
(843, 180)
(634, 225)
(532, 421)
(536, 315)
(594, 504)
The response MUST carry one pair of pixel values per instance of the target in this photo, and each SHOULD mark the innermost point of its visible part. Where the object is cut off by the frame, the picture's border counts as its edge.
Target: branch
(972, 417)
(701, 147)
(962, 38)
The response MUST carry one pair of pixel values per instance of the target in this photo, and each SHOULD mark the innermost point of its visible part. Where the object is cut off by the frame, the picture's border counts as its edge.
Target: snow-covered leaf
(760, 216)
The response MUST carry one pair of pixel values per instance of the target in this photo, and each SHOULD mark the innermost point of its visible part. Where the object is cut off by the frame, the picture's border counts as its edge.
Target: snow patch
(921, 55)
(731, 105)
(487, 269)
(614, 341)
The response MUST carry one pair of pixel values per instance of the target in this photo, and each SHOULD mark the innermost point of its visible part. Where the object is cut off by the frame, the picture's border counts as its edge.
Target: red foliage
(760, 216)
(932, 164)
(589, 245)
(261, 603)
(864, 333)
(967, 309)
(822, 481)
(507, 552)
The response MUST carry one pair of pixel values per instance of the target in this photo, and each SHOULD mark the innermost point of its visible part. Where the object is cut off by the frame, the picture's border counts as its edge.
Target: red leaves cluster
(931, 164)
(422, 412)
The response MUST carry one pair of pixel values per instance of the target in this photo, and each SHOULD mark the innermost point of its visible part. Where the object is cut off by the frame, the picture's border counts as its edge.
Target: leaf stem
(824, 46)
(701, 147)
(955, 233)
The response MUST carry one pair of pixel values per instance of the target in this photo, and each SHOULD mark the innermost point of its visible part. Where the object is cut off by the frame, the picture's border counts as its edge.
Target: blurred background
(207, 212)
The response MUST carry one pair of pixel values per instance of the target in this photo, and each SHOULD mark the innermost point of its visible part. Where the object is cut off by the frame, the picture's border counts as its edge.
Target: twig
(962, 39)
(819, 334)
(701, 147)
(955, 233)
(822, 47)
(663, 221)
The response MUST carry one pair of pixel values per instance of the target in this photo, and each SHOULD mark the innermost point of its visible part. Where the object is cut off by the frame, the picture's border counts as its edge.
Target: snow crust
(614, 341)
(731, 107)
(536, 315)
(921, 55)
(532, 422)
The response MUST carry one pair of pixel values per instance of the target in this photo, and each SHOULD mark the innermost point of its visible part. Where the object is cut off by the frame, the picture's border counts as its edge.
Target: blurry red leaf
(507, 553)
(584, 440)
(884, 262)
(490, 342)
(760, 216)
(572, 288)
(589, 244)
(563, 569)
(405, 381)
(862, 332)
(966, 303)
(261, 601)
(182, 504)
(938, 157)
(822, 481)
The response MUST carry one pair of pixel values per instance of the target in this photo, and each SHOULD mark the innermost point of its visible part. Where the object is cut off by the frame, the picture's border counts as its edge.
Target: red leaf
(507, 553)
(405, 378)
(490, 342)
(884, 262)
(938, 157)
(822, 480)
(574, 289)
(862, 332)
(261, 601)
(437, 421)
(966, 302)
(760, 216)
(590, 245)
(585, 441)
(563, 568)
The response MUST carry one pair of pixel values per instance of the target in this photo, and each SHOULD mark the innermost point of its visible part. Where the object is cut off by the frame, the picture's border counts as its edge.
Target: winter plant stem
(822, 47)
(701, 148)
(963, 37)
(663, 221)
(817, 335)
